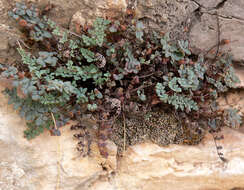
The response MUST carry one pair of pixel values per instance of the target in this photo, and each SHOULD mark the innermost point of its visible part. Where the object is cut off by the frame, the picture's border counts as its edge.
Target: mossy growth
(158, 126)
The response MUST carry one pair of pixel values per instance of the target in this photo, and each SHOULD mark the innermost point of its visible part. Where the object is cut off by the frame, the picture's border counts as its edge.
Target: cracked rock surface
(208, 3)
(164, 14)
(204, 31)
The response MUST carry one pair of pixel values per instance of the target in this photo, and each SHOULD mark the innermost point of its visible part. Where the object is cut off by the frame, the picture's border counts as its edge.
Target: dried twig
(218, 39)
(19, 44)
(24, 44)
(59, 155)
(141, 87)
(54, 121)
(124, 143)
(74, 34)
(148, 75)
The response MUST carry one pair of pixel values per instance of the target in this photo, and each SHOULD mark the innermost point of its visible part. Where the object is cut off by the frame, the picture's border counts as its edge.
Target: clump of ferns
(109, 68)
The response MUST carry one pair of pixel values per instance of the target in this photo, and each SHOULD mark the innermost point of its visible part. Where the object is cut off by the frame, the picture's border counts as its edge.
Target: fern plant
(97, 34)
(29, 17)
(177, 100)
(35, 113)
(113, 66)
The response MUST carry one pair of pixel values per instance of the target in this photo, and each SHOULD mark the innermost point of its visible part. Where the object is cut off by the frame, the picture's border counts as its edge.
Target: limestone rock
(232, 9)
(234, 100)
(4, 43)
(64, 10)
(91, 9)
(239, 71)
(208, 3)
(49, 162)
(44, 162)
(203, 35)
(148, 166)
(165, 15)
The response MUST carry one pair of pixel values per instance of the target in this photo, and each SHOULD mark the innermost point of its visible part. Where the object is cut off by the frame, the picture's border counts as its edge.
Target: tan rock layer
(148, 166)
(47, 162)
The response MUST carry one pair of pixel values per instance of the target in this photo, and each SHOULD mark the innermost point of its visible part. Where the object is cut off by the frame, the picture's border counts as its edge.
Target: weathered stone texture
(148, 166)
(47, 162)
(232, 9)
(203, 34)
(208, 3)
(239, 71)
(165, 14)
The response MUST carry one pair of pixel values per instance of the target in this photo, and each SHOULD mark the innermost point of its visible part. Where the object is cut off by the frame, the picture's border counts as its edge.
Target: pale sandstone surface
(234, 100)
(148, 166)
(46, 161)
(239, 71)
(42, 162)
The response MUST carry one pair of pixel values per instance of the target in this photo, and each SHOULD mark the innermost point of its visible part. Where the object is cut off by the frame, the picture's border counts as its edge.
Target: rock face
(46, 162)
(233, 99)
(203, 34)
(165, 14)
(239, 70)
(90, 10)
(52, 162)
(148, 166)
(209, 3)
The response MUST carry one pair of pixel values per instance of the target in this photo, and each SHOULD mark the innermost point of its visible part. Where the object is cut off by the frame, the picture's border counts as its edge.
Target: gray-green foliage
(11, 71)
(52, 90)
(161, 92)
(132, 64)
(178, 88)
(172, 51)
(88, 55)
(139, 30)
(30, 18)
(232, 118)
(141, 95)
(36, 114)
(173, 85)
(177, 100)
(44, 90)
(91, 107)
(227, 79)
(97, 33)
(83, 72)
(184, 46)
(182, 102)
(48, 85)
(188, 78)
